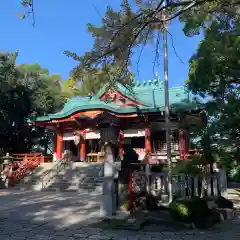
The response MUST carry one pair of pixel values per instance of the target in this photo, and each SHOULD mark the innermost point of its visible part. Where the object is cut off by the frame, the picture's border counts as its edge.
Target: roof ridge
(155, 82)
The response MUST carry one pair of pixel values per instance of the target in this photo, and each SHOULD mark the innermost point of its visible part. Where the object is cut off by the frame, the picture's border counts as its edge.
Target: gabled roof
(144, 97)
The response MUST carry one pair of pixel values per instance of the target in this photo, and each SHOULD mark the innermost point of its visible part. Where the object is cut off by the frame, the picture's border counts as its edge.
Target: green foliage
(137, 24)
(92, 80)
(189, 210)
(203, 14)
(125, 206)
(233, 170)
(180, 211)
(192, 166)
(47, 97)
(25, 90)
(214, 74)
(28, 90)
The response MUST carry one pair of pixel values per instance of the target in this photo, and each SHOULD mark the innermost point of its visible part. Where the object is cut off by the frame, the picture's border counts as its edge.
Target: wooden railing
(22, 156)
(18, 158)
(26, 164)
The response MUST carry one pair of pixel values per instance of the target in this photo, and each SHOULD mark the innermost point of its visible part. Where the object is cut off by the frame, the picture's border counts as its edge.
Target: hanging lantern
(76, 139)
(109, 132)
(109, 128)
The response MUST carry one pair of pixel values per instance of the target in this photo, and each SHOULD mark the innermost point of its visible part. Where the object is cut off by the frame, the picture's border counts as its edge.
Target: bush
(152, 203)
(125, 206)
(234, 173)
(222, 202)
(157, 168)
(180, 211)
(189, 210)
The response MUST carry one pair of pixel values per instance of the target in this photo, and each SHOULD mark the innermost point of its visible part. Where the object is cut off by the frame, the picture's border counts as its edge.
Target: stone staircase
(33, 181)
(72, 177)
(78, 177)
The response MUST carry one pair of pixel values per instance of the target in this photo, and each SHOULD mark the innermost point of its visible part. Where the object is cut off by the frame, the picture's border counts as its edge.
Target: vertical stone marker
(108, 206)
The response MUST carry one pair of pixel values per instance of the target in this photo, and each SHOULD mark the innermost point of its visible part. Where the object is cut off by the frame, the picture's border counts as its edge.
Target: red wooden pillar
(59, 146)
(148, 148)
(83, 147)
(182, 145)
(121, 144)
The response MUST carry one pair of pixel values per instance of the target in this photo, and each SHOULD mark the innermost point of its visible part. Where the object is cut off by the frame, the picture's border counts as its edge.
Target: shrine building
(139, 112)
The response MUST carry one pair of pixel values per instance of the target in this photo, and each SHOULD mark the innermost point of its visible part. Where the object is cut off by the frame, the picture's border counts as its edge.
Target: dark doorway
(74, 149)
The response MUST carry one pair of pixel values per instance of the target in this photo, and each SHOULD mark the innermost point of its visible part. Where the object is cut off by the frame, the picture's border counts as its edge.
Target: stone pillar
(182, 145)
(82, 149)
(108, 206)
(109, 133)
(59, 147)
(148, 148)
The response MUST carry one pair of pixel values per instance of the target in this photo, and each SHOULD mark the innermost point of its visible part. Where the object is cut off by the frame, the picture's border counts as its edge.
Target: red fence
(25, 163)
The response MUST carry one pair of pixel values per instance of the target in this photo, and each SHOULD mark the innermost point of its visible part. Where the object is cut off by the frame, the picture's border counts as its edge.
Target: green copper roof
(149, 93)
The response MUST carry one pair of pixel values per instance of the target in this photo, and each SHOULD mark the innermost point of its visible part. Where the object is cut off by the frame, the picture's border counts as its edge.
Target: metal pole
(167, 115)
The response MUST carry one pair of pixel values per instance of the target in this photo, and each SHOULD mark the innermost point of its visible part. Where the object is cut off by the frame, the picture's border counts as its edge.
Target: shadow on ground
(58, 209)
(47, 215)
(51, 215)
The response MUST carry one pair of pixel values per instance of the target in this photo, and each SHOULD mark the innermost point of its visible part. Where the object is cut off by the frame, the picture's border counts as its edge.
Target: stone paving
(36, 215)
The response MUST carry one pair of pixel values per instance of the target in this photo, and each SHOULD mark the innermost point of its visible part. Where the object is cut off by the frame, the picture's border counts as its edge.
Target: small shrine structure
(138, 112)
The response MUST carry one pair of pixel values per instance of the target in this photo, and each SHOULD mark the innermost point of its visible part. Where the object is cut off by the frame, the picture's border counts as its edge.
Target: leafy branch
(122, 31)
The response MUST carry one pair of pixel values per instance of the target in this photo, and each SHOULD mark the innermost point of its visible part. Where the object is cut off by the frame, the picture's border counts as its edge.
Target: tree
(214, 75)
(122, 31)
(138, 22)
(14, 101)
(25, 91)
(48, 96)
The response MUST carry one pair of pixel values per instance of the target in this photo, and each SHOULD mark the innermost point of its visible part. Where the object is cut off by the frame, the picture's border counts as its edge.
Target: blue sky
(61, 25)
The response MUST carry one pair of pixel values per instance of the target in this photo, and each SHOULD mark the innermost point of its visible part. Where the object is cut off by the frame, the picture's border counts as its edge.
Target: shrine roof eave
(174, 108)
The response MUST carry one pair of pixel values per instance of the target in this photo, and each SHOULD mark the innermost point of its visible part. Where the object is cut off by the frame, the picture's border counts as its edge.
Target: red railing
(26, 163)
(22, 156)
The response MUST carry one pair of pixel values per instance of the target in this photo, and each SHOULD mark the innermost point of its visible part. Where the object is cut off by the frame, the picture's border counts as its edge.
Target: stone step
(74, 189)
(74, 186)
(27, 188)
(77, 175)
(83, 179)
(69, 177)
(64, 177)
(86, 191)
(72, 175)
(84, 170)
(56, 187)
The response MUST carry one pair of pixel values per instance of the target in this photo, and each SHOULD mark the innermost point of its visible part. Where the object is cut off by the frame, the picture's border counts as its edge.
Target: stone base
(119, 215)
(128, 223)
(108, 206)
(225, 213)
(123, 220)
